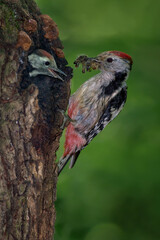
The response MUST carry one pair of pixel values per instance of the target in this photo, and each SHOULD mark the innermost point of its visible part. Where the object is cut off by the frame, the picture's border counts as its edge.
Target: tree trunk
(29, 122)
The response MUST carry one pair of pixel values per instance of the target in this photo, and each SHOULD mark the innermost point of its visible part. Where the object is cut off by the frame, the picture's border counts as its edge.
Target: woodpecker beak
(53, 73)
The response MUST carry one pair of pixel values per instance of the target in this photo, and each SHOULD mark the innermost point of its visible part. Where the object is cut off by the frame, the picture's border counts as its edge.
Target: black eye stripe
(109, 59)
(47, 63)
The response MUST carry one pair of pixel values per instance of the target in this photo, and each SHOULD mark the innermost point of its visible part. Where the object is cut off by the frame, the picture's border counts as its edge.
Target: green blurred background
(113, 192)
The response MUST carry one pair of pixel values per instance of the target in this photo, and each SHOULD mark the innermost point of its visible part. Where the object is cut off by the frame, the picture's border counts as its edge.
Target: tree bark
(29, 122)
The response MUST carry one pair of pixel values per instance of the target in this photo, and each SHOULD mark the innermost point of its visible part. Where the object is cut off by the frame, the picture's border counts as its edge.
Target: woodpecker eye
(47, 63)
(109, 60)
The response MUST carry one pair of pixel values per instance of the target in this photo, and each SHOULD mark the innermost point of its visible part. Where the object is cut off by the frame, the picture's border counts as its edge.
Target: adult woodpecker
(97, 102)
(43, 63)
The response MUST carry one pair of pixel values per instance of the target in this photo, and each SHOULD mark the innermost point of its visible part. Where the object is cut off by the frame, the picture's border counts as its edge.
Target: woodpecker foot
(66, 119)
(87, 63)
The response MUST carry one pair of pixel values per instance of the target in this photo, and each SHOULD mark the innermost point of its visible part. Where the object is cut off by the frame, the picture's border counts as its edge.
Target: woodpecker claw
(66, 119)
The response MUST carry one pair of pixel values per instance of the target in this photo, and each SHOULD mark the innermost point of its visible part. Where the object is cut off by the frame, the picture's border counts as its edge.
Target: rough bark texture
(29, 122)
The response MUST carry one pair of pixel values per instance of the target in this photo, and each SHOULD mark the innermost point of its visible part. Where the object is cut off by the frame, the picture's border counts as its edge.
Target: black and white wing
(114, 107)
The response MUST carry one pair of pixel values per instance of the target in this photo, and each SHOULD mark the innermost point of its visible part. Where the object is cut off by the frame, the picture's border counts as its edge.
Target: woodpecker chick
(43, 63)
(97, 102)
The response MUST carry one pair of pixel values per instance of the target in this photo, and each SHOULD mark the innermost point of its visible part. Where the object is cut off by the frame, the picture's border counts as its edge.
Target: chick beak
(53, 73)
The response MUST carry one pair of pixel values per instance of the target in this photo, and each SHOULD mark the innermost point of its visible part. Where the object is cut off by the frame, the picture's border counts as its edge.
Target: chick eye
(47, 63)
(109, 60)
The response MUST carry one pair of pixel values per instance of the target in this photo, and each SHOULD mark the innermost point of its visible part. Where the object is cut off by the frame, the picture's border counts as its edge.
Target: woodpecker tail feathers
(63, 161)
(74, 159)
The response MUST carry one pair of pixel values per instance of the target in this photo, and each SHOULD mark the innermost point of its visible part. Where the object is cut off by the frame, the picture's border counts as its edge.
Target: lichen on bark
(29, 122)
